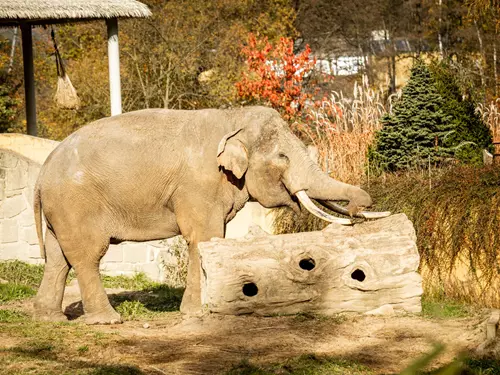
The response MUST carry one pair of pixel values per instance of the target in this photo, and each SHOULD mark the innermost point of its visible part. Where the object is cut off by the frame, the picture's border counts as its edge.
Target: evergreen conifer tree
(470, 134)
(414, 133)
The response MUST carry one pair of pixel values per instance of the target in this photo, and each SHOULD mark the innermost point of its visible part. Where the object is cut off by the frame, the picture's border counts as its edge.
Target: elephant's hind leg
(47, 304)
(85, 256)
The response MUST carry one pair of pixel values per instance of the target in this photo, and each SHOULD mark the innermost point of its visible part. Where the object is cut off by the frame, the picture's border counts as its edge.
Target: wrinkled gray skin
(157, 173)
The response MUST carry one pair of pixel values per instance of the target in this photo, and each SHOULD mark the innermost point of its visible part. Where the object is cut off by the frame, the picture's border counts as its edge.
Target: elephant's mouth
(316, 211)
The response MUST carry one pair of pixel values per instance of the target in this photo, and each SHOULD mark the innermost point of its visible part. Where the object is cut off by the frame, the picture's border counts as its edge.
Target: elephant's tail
(37, 206)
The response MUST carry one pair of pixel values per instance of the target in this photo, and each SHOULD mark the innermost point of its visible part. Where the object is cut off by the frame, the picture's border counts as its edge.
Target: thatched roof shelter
(46, 11)
(28, 13)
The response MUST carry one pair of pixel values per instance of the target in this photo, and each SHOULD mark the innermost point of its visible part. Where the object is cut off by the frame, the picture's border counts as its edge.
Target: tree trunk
(482, 63)
(495, 71)
(440, 36)
(12, 51)
(369, 267)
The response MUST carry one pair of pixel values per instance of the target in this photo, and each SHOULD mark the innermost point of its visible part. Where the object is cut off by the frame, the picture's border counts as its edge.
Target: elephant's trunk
(306, 175)
(316, 184)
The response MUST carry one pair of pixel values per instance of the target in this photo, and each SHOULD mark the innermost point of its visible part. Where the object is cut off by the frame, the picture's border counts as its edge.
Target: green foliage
(415, 133)
(9, 109)
(469, 135)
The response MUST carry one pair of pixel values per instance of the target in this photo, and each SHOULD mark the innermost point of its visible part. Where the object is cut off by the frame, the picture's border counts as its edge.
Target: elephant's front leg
(197, 228)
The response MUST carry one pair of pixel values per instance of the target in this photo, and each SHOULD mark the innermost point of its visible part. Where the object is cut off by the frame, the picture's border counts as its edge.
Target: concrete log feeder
(368, 268)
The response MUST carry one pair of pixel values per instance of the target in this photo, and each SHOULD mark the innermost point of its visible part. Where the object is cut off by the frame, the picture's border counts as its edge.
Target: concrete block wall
(21, 157)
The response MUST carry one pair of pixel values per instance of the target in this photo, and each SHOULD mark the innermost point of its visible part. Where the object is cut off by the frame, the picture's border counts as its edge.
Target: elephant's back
(142, 147)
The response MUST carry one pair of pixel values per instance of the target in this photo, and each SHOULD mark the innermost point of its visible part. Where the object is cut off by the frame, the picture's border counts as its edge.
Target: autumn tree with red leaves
(275, 75)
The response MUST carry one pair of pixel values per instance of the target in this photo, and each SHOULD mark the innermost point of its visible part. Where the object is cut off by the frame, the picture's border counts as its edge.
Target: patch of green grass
(13, 292)
(17, 272)
(304, 365)
(12, 316)
(83, 349)
(137, 282)
(19, 280)
(148, 303)
(132, 310)
(443, 308)
(148, 300)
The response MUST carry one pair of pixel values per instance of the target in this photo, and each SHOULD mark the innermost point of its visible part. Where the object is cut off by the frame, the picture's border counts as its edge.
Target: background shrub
(414, 133)
(469, 134)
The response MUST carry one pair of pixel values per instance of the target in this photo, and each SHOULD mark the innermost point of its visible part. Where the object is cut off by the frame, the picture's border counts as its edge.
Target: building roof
(51, 11)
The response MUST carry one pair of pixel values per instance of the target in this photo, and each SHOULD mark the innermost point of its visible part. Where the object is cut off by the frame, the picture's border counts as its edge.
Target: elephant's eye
(282, 155)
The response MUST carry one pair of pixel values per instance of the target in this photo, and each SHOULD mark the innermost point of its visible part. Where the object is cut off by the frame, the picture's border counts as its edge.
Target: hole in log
(307, 264)
(358, 275)
(250, 289)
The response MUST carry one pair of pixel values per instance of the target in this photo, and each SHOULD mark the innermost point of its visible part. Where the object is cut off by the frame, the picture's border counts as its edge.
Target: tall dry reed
(342, 128)
(491, 116)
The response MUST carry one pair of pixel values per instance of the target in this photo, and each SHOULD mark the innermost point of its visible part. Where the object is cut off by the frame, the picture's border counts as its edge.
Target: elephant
(157, 173)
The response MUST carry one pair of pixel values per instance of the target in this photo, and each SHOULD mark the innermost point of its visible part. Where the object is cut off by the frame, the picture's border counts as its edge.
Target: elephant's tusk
(374, 215)
(312, 208)
(363, 214)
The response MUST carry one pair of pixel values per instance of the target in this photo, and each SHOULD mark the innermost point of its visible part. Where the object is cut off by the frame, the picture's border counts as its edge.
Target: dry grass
(491, 116)
(342, 128)
(456, 218)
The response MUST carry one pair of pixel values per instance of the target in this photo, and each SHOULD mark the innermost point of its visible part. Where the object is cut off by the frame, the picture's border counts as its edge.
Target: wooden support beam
(114, 67)
(370, 268)
(29, 79)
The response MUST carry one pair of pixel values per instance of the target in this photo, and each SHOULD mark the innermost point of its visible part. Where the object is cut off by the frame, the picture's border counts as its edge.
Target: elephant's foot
(49, 316)
(47, 311)
(104, 317)
(191, 306)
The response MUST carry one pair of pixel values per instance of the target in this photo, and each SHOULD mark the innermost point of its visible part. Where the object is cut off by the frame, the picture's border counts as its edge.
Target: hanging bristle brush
(66, 96)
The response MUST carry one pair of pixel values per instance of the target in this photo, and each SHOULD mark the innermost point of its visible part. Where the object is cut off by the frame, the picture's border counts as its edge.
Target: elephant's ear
(232, 154)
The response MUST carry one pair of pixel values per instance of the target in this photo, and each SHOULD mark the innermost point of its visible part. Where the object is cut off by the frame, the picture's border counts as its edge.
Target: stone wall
(21, 157)
(18, 238)
(33, 148)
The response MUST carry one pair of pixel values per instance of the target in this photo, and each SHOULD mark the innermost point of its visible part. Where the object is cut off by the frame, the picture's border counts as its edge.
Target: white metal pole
(114, 67)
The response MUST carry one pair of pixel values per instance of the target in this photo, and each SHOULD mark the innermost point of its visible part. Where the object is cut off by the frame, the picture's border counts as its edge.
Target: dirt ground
(212, 344)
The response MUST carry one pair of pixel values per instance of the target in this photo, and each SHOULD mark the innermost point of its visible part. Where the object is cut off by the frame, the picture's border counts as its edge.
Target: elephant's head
(275, 166)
